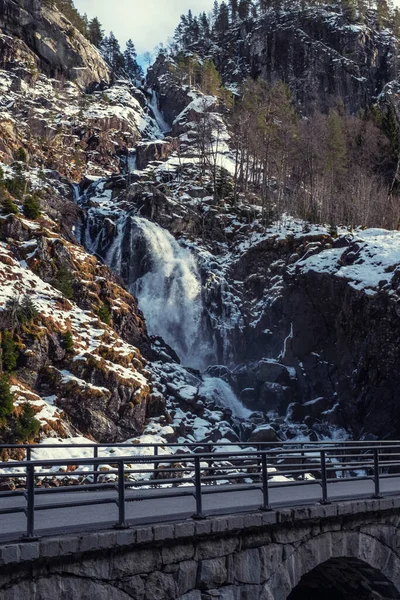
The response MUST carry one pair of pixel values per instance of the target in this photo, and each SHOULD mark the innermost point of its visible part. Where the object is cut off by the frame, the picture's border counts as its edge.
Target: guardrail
(195, 470)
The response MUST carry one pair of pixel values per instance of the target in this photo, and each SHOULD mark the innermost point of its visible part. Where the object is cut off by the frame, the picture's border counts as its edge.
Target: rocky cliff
(61, 50)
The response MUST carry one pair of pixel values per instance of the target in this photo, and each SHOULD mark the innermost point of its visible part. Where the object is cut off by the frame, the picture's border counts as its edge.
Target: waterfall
(164, 277)
(159, 117)
(221, 392)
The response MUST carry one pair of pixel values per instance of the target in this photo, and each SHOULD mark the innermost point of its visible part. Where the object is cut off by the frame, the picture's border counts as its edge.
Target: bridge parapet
(253, 556)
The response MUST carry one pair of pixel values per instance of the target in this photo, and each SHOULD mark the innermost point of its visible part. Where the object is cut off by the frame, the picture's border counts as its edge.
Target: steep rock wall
(62, 50)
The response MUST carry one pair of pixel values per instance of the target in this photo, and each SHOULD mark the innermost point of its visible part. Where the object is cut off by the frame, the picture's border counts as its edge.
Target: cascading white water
(159, 117)
(223, 395)
(169, 294)
(164, 277)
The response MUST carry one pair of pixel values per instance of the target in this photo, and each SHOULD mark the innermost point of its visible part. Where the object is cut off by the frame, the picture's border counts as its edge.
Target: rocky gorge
(189, 318)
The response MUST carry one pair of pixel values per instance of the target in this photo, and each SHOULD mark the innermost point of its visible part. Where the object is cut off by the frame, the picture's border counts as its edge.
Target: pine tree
(95, 32)
(67, 341)
(349, 9)
(210, 78)
(105, 314)
(28, 310)
(27, 427)
(132, 68)
(112, 53)
(6, 398)
(222, 22)
(244, 9)
(64, 282)
(31, 207)
(9, 352)
(234, 6)
(8, 206)
(382, 13)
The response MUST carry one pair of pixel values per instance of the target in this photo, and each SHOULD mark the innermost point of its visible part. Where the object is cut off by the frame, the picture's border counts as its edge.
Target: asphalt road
(140, 509)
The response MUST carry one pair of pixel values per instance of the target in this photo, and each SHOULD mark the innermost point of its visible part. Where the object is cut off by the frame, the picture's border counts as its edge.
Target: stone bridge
(342, 551)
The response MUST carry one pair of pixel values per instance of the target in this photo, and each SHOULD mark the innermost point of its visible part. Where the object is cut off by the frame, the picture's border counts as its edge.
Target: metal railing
(189, 470)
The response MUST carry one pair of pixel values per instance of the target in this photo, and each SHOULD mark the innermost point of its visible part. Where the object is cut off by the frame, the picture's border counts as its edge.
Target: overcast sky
(147, 22)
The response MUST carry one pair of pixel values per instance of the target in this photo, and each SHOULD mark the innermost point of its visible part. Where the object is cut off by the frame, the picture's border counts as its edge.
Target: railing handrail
(199, 444)
(250, 466)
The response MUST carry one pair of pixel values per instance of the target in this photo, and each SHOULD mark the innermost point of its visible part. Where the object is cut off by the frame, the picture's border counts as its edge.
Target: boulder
(296, 412)
(274, 372)
(315, 408)
(248, 397)
(275, 396)
(264, 433)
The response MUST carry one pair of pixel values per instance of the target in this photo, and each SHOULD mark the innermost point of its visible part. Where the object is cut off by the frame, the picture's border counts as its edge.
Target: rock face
(61, 50)
(173, 98)
(322, 56)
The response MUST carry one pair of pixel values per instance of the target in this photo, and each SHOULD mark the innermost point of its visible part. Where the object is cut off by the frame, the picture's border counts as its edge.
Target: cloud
(147, 22)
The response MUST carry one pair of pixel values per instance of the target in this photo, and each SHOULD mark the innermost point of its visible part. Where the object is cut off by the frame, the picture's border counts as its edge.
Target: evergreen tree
(31, 207)
(210, 78)
(244, 9)
(382, 13)
(349, 9)
(63, 282)
(234, 8)
(6, 398)
(132, 68)
(9, 352)
(8, 206)
(222, 22)
(95, 32)
(27, 427)
(67, 341)
(112, 53)
(105, 314)
(28, 310)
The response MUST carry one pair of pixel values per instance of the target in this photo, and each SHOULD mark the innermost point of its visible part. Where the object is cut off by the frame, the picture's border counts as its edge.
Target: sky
(146, 22)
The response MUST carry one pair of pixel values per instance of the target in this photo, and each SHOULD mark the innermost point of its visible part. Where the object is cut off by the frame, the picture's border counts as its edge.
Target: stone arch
(361, 549)
(344, 579)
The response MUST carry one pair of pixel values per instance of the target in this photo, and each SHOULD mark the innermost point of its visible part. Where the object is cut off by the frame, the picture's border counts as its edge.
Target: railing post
(324, 479)
(29, 454)
(210, 462)
(121, 497)
(377, 482)
(264, 474)
(156, 464)
(95, 466)
(30, 498)
(197, 483)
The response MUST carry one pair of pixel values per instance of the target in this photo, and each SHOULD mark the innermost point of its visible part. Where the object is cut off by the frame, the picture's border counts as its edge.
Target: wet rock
(314, 408)
(274, 372)
(249, 397)
(264, 433)
(296, 412)
(275, 396)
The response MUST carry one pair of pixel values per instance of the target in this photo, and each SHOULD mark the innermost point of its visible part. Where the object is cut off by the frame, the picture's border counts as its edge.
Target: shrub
(10, 352)
(63, 282)
(32, 207)
(26, 426)
(67, 341)
(8, 205)
(6, 398)
(105, 314)
(21, 155)
(16, 186)
(21, 311)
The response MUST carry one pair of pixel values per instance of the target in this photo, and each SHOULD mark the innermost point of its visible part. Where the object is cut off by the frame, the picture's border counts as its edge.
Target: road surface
(142, 510)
